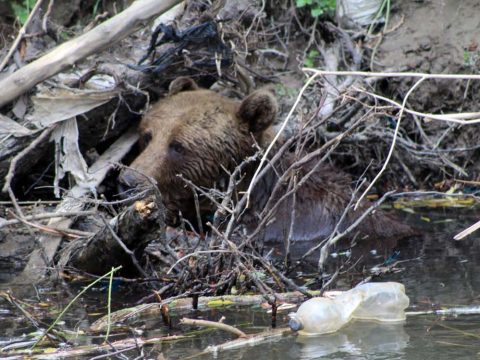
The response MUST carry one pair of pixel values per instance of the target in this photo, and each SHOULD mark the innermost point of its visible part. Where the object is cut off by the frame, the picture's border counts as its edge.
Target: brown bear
(203, 136)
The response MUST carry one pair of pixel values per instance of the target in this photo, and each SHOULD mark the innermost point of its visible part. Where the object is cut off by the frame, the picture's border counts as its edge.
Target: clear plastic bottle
(322, 315)
(385, 302)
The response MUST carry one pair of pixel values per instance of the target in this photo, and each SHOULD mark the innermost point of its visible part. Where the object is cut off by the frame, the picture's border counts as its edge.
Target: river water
(437, 272)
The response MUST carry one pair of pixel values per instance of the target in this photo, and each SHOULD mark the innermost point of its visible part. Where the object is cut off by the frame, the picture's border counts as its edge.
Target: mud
(433, 37)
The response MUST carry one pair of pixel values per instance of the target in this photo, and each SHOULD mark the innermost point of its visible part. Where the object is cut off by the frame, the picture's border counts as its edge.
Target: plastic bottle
(385, 302)
(322, 315)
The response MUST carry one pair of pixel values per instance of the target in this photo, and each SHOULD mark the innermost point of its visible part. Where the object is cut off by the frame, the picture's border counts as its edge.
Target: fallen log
(122, 239)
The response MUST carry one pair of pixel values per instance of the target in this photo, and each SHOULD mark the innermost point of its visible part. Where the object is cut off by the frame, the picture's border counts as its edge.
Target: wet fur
(199, 134)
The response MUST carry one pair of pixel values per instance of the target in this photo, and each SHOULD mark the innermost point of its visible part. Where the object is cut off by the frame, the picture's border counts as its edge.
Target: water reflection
(359, 339)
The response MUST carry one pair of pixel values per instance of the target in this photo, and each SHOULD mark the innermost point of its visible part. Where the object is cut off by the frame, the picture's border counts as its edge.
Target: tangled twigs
(277, 136)
(392, 147)
(335, 237)
(13, 165)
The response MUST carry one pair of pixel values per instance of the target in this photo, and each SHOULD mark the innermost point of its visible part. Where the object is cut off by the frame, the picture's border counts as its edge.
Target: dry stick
(251, 340)
(67, 54)
(214, 324)
(332, 241)
(20, 35)
(394, 74)
(197, 211)
(289, 236)
(471, 229)
(73, 233)
(470, 118)
(47, 216)
(45, 17)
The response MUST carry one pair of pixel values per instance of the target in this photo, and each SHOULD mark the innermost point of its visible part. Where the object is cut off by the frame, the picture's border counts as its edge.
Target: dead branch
(213, 324)
(41, 258)
(72, 233)
(70, 52)
(5, 223)
(249, 341)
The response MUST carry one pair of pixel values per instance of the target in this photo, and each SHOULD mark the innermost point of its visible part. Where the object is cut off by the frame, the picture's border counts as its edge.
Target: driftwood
(213, 324)
(122, 240)
(115, 347)
(42, 257)
(67, 54)
(186, 304)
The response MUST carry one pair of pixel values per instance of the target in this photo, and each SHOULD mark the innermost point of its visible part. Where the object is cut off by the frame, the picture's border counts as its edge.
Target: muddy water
(436, 271)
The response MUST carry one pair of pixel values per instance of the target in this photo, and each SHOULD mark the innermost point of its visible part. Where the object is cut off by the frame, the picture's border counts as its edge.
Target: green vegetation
(317, 7)
(471, 59)
(20, 8)
(383, 11)
(310, 58)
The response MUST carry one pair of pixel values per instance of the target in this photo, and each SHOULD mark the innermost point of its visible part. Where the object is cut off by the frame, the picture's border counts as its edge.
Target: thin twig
(47, 15)
(277, 136)
(214, 324)
(394, 74)
(47, 216)
(333, 240)
(72, 233)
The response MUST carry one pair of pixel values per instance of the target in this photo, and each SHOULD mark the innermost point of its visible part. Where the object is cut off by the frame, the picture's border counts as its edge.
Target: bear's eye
(177, 147)
(145, 137)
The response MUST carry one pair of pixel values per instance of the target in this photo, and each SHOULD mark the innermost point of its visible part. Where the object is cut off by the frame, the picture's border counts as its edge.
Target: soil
(433, 37)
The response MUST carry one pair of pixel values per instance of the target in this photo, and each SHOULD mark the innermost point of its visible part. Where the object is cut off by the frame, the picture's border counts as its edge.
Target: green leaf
(302, 3)
(308, 62)
(316, 11)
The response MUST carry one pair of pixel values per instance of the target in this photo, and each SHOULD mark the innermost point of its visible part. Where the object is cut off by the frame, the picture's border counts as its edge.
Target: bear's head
(199, 135)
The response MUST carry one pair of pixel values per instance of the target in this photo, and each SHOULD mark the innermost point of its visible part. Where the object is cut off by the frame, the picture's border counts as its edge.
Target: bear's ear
(259, 109)
(182, 83)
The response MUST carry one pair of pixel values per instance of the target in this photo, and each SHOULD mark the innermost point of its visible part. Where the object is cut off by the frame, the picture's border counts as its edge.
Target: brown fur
(198, 134)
